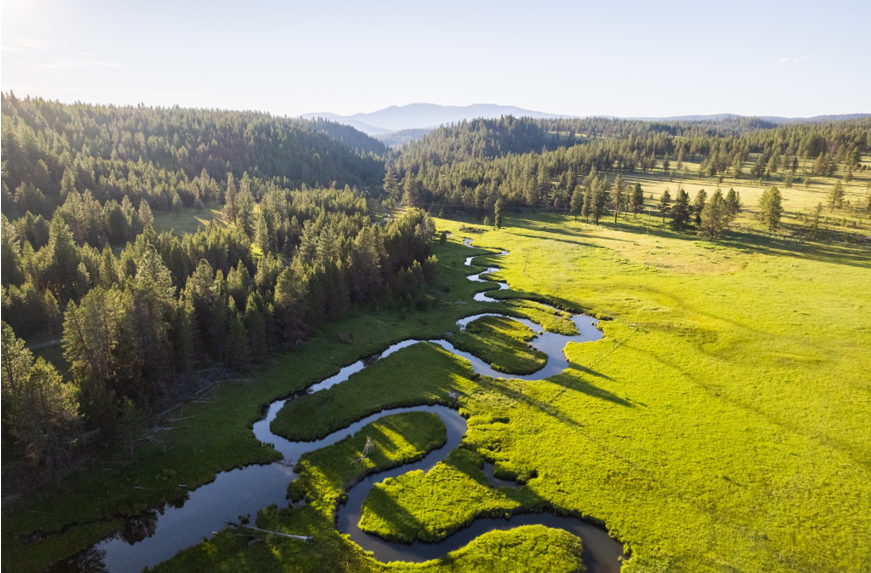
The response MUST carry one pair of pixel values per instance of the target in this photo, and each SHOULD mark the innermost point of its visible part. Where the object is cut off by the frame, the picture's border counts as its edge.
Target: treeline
(139, 323)
(165, 155)
(471, 165)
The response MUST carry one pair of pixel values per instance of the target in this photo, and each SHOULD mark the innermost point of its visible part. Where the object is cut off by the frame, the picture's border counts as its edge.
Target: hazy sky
(579, 58)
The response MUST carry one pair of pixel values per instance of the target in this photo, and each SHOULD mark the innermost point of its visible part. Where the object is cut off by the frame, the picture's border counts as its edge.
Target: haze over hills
(396, 125)
(771, 118)
(426, 115)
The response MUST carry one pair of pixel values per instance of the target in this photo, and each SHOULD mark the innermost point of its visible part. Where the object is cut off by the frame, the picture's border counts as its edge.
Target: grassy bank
(501, 342)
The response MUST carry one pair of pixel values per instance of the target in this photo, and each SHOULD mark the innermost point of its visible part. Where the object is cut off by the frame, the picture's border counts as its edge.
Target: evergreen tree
(498, 212)
(391, 187)
(600, 200)
(770, 208)
(715, 217)
(145, 215)
(737, 165)
(39, 410)
(699, 205)
(664, 204)
(813, 223)
(680, 211)
(733, 202)
(636, 200)
(836, 197)
(230, 200)
(619, 196)
(410, 191)
(589, 201)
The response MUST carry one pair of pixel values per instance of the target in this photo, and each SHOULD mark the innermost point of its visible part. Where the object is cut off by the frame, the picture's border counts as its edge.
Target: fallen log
(299, 537)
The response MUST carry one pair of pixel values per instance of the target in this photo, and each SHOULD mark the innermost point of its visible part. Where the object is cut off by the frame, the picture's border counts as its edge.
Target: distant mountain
(426, 115)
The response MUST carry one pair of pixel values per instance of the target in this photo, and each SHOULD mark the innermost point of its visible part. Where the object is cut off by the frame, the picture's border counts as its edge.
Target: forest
(314, 227)
(552, 164)
(141, 313)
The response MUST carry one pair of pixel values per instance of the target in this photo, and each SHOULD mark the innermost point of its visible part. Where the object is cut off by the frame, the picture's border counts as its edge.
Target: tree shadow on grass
(578, 384)
(386, 508)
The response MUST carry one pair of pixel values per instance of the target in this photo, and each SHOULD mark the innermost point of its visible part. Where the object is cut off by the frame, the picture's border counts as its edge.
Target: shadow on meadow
(573, 379)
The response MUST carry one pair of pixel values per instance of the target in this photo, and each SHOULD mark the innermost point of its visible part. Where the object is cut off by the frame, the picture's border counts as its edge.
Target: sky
(627, 59)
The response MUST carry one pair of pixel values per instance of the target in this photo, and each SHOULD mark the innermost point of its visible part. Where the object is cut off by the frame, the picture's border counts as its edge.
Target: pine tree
(736, 166)
(836, 197)
(680, 211)
(699, 205)
(230, 200)
(391, 187)
(715, 217)
(146, 217)
(636, 200)
(600, 200)
(498, 213)
(733, 202)
(813, 223)
(589, 202)
(619, 198)
(664, 203)
(410, 191)
(771, 208)
(39, 409)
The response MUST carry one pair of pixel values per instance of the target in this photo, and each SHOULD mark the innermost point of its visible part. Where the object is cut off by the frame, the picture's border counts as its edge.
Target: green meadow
(503, 343)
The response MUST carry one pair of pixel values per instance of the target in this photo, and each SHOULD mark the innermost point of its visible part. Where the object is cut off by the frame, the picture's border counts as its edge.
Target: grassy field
(188, 220)
(799, 199)
(502, 343)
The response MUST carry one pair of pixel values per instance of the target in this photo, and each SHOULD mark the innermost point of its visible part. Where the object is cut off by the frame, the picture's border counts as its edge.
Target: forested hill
(474, 164)
(482, 138)
(50, 148)
(351, 137)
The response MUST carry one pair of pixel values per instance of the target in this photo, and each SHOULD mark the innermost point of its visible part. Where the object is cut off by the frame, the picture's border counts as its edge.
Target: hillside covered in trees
(141, 313)
(541, 164)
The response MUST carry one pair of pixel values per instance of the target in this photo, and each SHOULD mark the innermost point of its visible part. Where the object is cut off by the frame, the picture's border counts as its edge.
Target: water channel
(158, 535)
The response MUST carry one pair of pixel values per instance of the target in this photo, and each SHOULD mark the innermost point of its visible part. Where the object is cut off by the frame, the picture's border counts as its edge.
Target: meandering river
(158, 535)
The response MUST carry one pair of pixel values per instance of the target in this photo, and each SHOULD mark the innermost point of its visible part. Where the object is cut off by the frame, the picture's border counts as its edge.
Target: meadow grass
(445, 499)
(503, 343)
(799, 199)
(189, 220)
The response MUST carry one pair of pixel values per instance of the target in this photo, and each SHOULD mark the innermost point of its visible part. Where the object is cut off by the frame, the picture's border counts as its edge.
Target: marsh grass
(503, 343)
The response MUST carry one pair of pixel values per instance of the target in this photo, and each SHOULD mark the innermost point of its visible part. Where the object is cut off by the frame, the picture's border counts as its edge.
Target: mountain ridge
(425, 115)
(418, 116)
